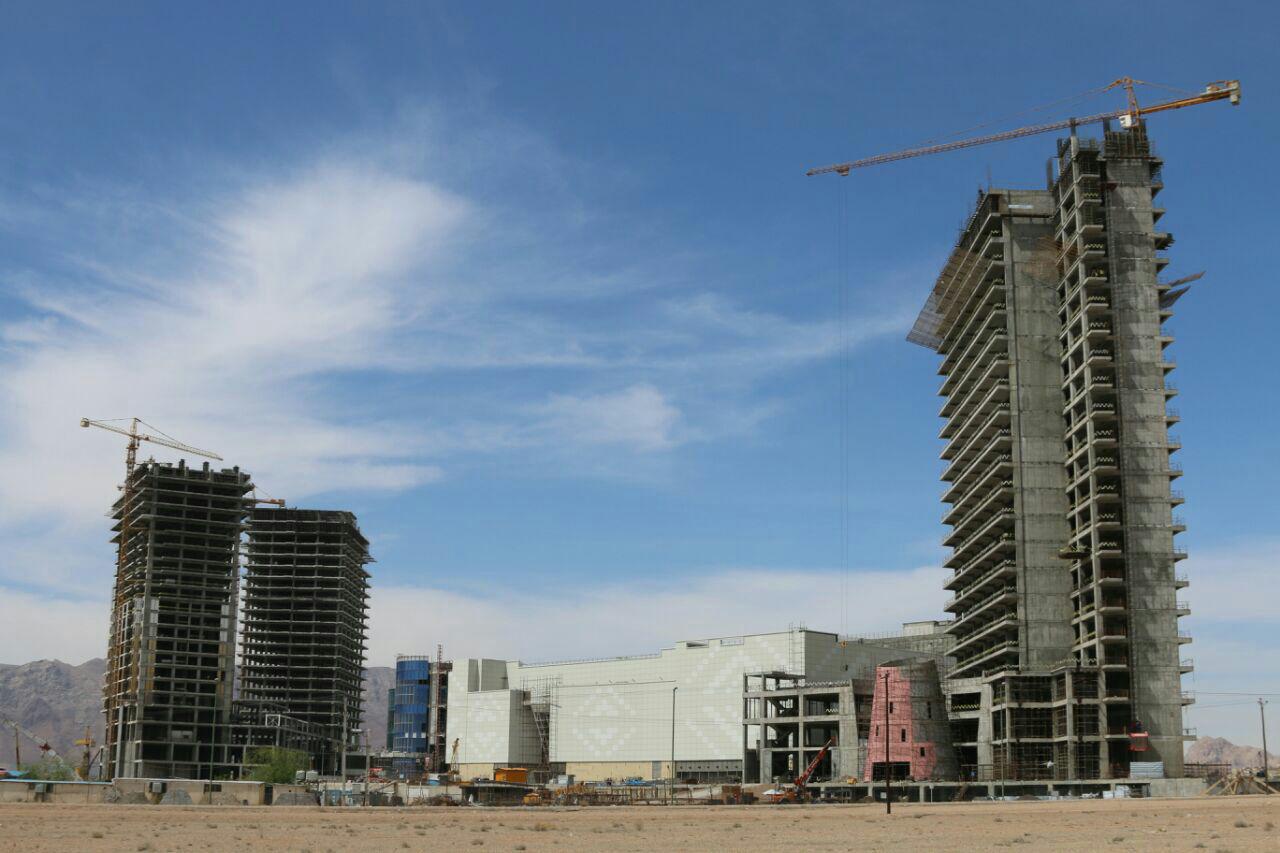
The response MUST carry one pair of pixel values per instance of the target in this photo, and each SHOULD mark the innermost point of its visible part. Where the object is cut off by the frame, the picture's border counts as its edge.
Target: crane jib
(1214, 92)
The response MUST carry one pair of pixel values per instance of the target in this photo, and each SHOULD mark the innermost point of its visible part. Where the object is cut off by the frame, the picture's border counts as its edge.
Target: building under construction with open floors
(167, 689)
(306, 621)
(1048, 316)
(749, 708)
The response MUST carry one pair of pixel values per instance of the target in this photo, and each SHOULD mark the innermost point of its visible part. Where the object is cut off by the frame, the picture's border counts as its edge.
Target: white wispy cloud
(641, 417)
(568, 621)
(278, 316)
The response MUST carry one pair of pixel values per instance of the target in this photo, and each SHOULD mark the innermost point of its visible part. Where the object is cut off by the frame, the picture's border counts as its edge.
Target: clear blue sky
(540, 291)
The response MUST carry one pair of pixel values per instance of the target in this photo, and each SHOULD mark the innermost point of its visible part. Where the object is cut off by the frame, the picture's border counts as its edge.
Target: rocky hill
(1216, 750)
(55, 701)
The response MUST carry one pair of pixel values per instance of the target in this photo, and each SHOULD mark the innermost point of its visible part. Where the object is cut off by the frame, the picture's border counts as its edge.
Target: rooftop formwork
(167, 689)
(306, 620)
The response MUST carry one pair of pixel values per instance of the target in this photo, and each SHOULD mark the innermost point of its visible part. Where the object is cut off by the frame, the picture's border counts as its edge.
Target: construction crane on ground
(88, 756)
(41, 743)
(1130, 116)
(798, 791)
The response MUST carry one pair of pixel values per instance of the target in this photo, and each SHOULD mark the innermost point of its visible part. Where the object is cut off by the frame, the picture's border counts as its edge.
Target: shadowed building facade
(306, 620)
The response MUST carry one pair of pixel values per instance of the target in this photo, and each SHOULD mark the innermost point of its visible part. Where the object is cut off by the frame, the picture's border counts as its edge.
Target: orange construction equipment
(798, 791)
(512, 775)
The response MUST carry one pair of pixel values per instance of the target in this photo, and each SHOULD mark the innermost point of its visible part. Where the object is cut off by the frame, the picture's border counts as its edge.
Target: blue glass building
(411, 713)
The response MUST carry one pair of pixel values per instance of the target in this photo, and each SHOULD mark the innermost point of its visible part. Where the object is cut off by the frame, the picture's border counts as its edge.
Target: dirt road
(1215, 824)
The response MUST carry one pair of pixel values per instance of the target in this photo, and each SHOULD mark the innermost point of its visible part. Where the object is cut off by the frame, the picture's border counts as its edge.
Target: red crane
(803, 779)
(799, 789)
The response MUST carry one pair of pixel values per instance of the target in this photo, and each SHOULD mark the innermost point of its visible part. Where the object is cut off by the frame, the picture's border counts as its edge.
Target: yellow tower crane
(1130, 116)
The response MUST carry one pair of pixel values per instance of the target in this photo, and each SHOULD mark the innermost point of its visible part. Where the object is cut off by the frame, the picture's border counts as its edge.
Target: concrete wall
(595, 771)
(491, 727)
(22, 791)
(199, 792)
(1036, 427)
(1148, 531)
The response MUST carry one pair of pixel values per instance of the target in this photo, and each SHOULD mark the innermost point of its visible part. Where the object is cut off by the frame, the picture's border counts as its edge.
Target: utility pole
(1262, 712)
(367, 769)
(342, 772)
(888, 768)
(671, 797)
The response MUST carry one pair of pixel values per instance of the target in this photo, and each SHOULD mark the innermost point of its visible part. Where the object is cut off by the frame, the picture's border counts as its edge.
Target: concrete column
(1037, 427)
(1155, 679)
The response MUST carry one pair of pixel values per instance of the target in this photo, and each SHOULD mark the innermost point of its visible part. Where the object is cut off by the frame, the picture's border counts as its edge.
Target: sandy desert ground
(1215, 824)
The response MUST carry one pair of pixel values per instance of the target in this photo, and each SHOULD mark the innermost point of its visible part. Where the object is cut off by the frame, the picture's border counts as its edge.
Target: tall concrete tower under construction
(167, 689)
(1049, 319)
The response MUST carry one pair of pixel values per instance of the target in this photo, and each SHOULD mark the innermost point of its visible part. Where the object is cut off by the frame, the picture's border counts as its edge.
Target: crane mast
(1130, 116)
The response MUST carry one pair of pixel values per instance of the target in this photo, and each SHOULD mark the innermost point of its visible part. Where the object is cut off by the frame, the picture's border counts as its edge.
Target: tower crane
(1130, 116)
(88, 756)
(131, 461)
(41, 743)
(278, 502)
(135, 437)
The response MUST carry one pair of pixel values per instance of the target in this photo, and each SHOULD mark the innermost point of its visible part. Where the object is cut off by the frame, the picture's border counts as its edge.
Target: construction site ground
(1211, 823)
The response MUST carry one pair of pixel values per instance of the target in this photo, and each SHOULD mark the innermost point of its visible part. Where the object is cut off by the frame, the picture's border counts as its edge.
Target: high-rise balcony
(992, 480)
(1000, 524)
(1004, 629)
(963, 439)
(1001, 549)
(1004, 652)
(995, 606)
(958, 493)
(979, 515)
(1102, 410)
(978, 352)
(1000, 573)
(964, 472)
(1098, 330)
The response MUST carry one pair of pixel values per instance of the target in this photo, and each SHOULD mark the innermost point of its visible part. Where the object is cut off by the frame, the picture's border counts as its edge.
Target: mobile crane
(798, 791)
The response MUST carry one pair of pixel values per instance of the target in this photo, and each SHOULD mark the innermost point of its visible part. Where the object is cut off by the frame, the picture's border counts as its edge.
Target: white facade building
(613, 718)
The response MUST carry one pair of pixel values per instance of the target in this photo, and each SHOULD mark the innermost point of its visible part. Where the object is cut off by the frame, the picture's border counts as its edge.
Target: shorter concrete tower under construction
(306, 620)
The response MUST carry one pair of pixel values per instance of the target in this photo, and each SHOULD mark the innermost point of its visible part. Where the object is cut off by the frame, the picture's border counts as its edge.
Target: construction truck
(798, 791)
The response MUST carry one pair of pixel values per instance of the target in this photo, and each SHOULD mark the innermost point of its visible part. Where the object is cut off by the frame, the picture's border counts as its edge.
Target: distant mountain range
(1216, 750)
(55, 701)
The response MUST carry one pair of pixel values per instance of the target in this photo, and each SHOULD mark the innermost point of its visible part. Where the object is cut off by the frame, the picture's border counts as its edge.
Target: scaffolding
(541, 695)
